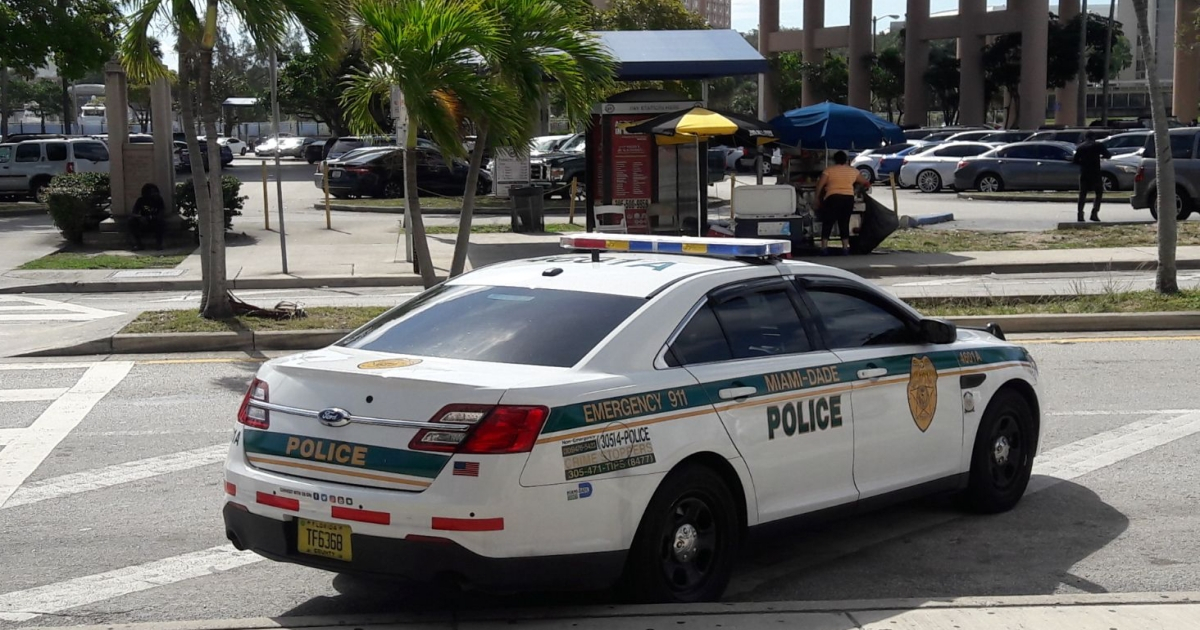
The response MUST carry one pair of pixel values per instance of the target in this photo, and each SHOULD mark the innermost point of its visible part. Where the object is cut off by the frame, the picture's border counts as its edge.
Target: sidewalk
(1137, 611)
(369, 250)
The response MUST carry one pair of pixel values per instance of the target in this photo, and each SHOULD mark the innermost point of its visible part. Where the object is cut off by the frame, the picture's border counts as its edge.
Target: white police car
(588, 419)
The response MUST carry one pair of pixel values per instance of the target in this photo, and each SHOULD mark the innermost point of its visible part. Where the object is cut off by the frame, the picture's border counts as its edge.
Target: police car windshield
(542, 327)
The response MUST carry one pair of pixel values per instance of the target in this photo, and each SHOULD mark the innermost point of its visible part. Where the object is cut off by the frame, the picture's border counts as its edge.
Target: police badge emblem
(922, 392)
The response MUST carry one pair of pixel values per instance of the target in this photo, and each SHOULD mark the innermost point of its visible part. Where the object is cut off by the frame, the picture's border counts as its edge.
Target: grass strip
(925, 240)
(80, 260)
(189, 321)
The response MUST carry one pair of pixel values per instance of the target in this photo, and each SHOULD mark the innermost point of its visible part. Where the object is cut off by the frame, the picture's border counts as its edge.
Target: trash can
(528, 209)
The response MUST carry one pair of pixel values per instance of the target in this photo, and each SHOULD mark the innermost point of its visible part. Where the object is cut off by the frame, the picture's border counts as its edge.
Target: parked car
(26, 168)
(934, 169)
(1034, 166)
(1126, 143)
(1072, 136)
(185, 159)
(973, 135)
(543, 145)
(315, 152)
(1007, 136)
(1187, 174)
(890, 164)
(343, 145)
(235, 145)
(381, 174)
(868, 161)
(294, 147)
(924, 133)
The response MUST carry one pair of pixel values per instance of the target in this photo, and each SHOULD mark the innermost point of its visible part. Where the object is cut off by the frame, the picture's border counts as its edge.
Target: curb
(622, 615)
(970, 269)
(925, 219)
(1086, 225)
(1034, 198)
(31, 212)
(135, 286)
(496, 212)
(297, 340)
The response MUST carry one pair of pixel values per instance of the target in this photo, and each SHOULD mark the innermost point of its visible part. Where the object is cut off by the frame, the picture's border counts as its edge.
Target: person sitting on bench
(149, 215)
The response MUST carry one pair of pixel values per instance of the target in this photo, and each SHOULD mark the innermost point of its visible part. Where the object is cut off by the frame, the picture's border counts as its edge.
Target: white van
(27, 167)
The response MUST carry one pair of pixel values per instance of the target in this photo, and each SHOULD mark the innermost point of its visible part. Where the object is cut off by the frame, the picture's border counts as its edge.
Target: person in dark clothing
(1088, 155)
(149, 215)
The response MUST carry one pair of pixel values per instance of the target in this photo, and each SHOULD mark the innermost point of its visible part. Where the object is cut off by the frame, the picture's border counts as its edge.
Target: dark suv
(1187, 174)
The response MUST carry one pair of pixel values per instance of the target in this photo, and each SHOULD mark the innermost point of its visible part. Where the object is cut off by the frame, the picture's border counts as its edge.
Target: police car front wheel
(685, 546)
(1002, 458)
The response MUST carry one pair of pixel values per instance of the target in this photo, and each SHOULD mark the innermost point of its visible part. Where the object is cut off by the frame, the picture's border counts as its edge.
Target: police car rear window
(497, 324)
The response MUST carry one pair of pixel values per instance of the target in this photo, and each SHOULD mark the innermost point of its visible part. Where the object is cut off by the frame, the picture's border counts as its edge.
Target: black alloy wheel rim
(688, 544)
(1006, 452)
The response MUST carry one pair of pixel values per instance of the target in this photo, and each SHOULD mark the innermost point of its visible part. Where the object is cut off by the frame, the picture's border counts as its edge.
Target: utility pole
(278, 169)
(1081, 109)
(1112, 9)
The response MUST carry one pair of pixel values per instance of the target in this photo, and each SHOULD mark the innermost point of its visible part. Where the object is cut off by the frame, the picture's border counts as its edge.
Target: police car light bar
(723, 247)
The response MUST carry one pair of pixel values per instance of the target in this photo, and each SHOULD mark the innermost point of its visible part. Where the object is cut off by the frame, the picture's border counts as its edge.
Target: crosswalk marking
(16, 309)
(31, 395)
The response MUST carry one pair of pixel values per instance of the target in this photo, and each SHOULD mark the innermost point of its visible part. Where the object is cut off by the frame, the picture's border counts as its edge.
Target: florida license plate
(328, 540)
(774, 228)
(335, 173)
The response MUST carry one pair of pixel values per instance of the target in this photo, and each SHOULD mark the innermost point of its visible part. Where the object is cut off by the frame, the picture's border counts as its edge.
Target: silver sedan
(1035, 166)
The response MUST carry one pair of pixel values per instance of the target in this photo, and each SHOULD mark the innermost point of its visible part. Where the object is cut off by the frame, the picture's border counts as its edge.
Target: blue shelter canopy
(834, 126)
(681, 55)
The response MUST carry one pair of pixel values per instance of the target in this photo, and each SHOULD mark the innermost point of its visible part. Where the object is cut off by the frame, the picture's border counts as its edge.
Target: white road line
(25, 453)
(31, 395)
(78, 311)
(1119, 412)
(109, 476)
(8, 435)
(46, 366)
(34, 602)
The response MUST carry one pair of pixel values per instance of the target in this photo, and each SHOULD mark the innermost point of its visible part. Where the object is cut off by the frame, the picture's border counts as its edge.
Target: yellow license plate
(328, 540)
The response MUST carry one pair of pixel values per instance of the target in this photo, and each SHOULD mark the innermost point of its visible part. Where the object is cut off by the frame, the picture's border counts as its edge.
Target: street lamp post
(875, 26)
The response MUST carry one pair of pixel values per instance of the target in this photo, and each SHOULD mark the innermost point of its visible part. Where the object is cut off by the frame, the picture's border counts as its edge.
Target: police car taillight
(255, 417)
(481, 430)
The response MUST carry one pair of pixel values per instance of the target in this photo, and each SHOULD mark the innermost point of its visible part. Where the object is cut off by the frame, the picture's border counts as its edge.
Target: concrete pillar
(1186, 76)
(1067, 97)
(814, 19)
(116, 110)
(768, 24)
(972, 109)
(160, 124)
(916, 62)
(860, 49)
(1035, 31)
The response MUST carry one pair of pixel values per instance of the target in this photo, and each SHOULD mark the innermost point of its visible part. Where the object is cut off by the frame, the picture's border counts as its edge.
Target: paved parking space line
(59, 311)
(31, 603)
(88, 480)
(22, 455)
(31, 395)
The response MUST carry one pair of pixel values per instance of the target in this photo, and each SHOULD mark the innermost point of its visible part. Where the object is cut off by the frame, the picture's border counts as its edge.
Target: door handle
(734, 393)
(872, 373)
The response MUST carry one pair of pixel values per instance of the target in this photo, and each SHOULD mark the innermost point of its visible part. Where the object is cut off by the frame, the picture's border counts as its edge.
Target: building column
(859, 94)
(814, 20)
(1035, 31)
(1067, 96)
(768, 25)
(116, 111)
(916, 62)
(972, 109)
(1186, 83)
(164, 146)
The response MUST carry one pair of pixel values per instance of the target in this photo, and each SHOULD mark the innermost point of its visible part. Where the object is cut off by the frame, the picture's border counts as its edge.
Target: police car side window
(700, 341)
(852, 321)
(762, 323)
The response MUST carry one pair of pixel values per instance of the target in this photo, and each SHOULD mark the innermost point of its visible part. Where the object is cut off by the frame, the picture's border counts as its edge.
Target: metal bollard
(325, 177)
(266, 202)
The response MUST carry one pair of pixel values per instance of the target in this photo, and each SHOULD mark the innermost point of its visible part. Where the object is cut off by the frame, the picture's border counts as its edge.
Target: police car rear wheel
(685, 546)
(1003, 456)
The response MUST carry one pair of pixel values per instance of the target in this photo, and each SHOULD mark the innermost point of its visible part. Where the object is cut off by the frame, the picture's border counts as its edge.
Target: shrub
(185, 200)
(78, 202)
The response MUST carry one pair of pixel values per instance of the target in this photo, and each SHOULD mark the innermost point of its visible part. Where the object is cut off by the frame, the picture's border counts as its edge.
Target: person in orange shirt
(835, 200)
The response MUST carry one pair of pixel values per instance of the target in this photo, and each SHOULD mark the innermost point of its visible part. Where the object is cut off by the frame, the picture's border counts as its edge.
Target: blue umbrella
(833, 126)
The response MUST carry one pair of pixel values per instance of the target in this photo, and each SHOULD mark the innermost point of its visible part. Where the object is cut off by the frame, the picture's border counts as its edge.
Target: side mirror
(938, 331)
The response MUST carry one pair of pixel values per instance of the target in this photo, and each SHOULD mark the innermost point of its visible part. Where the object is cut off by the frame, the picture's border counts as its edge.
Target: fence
(243, 130)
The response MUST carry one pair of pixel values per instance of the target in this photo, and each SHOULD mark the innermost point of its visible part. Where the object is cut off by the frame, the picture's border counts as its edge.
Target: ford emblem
(334, 417)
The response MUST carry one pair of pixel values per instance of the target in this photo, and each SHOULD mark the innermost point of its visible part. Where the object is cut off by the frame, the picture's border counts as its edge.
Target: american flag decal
(466, 469)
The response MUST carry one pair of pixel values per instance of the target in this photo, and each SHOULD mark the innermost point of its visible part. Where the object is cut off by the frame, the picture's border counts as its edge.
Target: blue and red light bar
(721, 247)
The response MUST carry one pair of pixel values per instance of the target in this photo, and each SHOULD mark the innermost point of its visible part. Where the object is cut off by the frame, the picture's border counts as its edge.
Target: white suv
(27, 167)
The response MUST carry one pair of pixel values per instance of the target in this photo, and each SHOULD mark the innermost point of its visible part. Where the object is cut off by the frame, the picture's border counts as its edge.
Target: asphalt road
(115, 480)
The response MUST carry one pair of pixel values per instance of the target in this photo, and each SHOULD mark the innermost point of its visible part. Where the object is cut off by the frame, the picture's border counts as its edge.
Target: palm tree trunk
(187, 116)
(413, 203)
(1165, 281)
(215, 288)
(3, 102)
(463, 242)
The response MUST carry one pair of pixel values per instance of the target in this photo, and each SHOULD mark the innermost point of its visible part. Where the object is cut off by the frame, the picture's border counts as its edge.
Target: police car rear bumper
(427, 560)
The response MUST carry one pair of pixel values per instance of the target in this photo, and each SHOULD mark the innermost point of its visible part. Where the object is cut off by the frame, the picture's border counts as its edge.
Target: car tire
(1183, 204)
(1002, 458)
(242, 152)
(37, 189)
(989, 182)
(1110, 182)
(929, 181)
(393, 190)
(866, 172)
(687, 541)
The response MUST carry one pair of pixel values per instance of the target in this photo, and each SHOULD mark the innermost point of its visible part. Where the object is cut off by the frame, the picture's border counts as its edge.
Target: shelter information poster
(509, 168)
(632, 161)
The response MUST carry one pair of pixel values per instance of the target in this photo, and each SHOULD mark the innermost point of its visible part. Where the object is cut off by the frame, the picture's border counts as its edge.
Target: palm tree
(1166, 280)
(196, 24)
(431, 50)
(543, 40)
